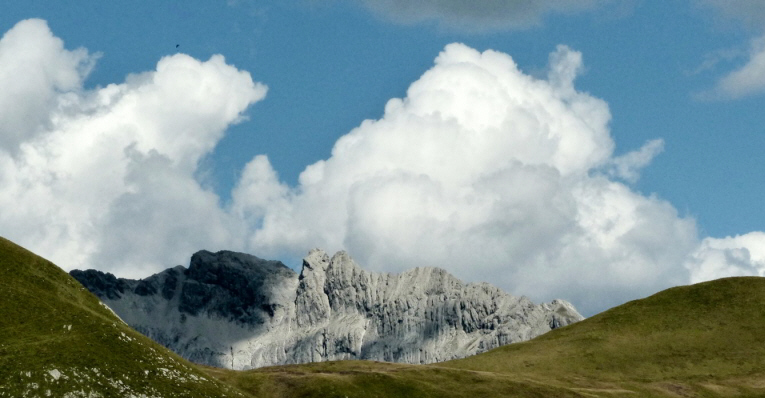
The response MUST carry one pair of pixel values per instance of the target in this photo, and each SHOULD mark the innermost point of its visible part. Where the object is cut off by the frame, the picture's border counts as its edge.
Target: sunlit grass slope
(58, 340)
(705, 340)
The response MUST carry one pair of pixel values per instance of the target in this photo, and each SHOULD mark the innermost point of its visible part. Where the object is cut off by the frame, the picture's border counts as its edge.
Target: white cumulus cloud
(31, 76)
(742, 255)
(489, 173)
(481, 169)
(105, 177)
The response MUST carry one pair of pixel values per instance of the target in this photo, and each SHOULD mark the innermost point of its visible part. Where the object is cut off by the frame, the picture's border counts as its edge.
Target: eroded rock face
(238, 311)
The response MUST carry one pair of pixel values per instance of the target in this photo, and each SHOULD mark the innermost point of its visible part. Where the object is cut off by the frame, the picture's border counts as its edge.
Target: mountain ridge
(701, 340)
(238, 311)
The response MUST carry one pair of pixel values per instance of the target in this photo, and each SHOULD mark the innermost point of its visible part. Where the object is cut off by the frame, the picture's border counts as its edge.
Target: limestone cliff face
(238, 311)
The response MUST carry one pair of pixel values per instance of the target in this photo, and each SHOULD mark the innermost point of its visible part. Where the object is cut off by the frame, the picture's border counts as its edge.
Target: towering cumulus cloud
(487, 172)
(104, 178)
(481, 169)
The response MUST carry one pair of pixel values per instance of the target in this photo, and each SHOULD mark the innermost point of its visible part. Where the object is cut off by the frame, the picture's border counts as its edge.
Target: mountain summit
(238, 311)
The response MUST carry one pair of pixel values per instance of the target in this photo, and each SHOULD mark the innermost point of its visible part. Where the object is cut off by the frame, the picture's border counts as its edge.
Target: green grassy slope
(57, 340)
(704, 340)
(380, 380)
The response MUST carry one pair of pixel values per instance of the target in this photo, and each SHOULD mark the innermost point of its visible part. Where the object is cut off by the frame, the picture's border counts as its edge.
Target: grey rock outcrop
(237, 311)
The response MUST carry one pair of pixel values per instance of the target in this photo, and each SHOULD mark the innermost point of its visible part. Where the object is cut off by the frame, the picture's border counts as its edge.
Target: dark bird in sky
(177, 45)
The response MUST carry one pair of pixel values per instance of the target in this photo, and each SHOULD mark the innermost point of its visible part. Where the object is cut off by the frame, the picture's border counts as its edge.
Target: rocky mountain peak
(239, 311)
(102, 284)
(235, 286)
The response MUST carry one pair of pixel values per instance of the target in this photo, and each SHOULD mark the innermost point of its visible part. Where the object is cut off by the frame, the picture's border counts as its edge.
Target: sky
(597, 151)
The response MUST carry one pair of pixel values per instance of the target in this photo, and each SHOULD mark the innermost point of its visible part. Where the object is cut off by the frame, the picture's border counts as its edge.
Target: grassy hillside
(702, 340)
(380, 380)
(705, 340)
(58, 340)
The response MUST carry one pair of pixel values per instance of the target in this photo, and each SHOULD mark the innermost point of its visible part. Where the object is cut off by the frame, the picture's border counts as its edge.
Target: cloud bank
(481, 169)
(476, 16)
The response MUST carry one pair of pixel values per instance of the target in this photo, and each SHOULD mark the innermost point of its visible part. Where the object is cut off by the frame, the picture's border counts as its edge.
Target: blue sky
(329, 66)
